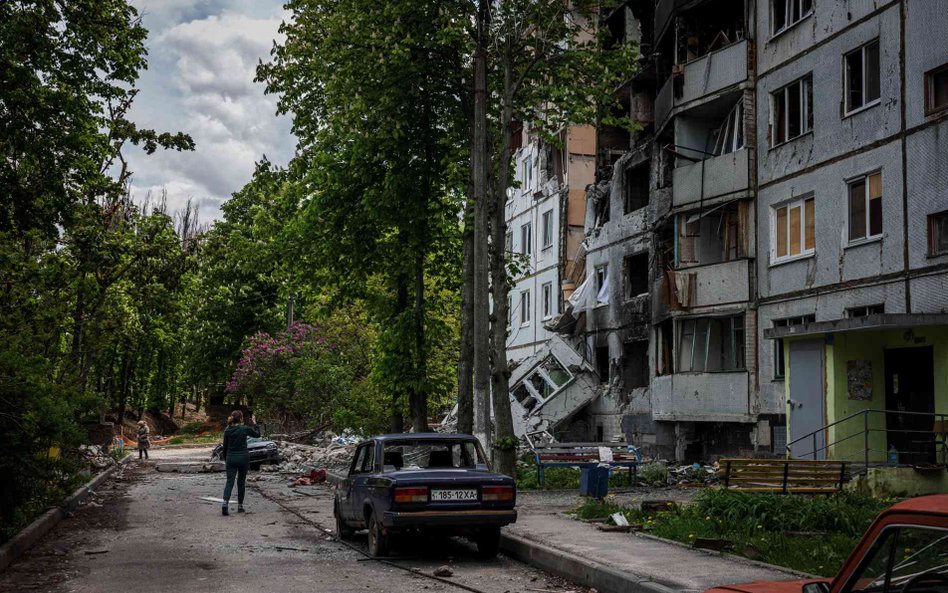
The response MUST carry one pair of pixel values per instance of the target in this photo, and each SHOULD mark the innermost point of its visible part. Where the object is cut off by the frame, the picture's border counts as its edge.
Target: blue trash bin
(594, 481)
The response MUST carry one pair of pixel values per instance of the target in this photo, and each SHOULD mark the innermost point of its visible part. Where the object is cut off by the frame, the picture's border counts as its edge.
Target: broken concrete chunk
(443, 571)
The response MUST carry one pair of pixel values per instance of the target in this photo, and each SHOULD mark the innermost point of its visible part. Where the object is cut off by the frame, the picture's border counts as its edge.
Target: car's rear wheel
(488, 542)
(343, 531)
(378, 539)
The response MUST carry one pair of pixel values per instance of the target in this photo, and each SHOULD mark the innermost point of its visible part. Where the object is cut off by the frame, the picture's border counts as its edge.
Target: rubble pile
(334, 453)
(694, 474)
(95, 457)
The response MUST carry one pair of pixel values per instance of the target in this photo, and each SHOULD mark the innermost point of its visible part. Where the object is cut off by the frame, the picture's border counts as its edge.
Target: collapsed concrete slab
(550, 387)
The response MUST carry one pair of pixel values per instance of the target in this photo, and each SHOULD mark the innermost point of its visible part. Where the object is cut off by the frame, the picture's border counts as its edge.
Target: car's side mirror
(817, 587)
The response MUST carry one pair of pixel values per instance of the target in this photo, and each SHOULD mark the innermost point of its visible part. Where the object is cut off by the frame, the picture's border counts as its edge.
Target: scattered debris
(95, 456)
(657, 506)
(327, 454)
(614, 528)
(289, 549)
(443, 571)
(93, 552)
(620, 520)
(316, 476)
(713, 544)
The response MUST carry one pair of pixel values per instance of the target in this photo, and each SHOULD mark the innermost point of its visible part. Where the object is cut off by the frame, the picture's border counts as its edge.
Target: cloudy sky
(202, 55)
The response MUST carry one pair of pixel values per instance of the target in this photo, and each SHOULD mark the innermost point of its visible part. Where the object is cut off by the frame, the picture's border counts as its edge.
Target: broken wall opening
(635, 370)
(708, 27)
(712, 236)
(635, 268)
(637, 183)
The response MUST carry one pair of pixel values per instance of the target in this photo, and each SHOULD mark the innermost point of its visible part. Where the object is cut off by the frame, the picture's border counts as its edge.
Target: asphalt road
(152, 531)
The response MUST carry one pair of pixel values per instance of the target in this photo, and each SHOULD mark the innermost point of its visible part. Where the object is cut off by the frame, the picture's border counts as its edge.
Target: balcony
(715, 71)
(701, 397)
(702, 77)
(713, 179)
(721, 284)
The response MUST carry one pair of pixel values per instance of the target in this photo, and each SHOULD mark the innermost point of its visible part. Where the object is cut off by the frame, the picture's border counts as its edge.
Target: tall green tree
(374, 91)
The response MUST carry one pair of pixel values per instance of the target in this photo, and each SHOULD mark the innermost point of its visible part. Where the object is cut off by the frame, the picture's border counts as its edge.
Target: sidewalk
(618, 561)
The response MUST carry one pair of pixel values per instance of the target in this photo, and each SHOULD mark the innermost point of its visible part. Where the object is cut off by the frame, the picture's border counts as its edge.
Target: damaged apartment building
(781, 211)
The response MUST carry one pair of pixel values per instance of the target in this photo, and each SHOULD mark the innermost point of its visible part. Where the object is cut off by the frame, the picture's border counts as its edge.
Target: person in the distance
(236, 458)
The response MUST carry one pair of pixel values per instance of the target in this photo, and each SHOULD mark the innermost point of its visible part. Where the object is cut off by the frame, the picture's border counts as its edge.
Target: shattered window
(429, 454)
(541, 384)
(729, 137)
(709, 344)
(791, 111)
(905, 558)
(524, 397)
(786, 13)
(555, 371)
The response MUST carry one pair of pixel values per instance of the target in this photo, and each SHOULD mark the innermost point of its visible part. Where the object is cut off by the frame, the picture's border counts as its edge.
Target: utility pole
(289, 312)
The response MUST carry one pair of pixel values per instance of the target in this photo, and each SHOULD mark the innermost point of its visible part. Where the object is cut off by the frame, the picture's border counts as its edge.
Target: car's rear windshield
(429, 454)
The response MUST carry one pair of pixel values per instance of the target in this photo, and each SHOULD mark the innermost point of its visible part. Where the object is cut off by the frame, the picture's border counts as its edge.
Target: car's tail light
(413, 494)
(497, 493)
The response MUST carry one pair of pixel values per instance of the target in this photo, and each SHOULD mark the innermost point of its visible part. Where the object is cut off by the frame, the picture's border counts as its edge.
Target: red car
(905, 550)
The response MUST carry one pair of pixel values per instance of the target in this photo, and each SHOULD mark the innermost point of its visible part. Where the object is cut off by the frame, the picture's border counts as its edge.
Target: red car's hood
(766, 587)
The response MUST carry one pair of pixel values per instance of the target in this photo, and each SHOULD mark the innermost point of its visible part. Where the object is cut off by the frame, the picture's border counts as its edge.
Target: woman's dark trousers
(237, 464)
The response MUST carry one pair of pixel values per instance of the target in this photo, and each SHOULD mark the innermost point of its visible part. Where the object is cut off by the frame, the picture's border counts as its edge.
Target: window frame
(546, 291)
(867, 201)
(732, 325)
(848, 109)
(546, 224)
(525, 316)
(932, 243)
(789, 205)
(930, 108)
(787, 25)
(526, 238)
(602, 276)
(806, 110)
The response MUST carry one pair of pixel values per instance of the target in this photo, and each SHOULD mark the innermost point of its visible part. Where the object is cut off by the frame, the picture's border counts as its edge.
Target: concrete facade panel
(833, 132)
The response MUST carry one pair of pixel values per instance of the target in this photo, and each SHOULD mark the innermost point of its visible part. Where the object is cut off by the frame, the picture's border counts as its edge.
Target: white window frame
(547, 218)
(602, 276)
(847, 108)
(526, 238)
(865, 199)
(787, 23)
(789, 204)
(806, 91)
(732, 130)
(525, 307)
(547, 303)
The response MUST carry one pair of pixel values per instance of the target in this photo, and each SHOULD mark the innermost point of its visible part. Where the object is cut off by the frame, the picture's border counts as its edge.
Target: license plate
(447, 495)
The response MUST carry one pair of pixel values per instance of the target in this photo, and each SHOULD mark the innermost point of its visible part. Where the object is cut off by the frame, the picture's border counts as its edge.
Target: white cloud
(202, 63)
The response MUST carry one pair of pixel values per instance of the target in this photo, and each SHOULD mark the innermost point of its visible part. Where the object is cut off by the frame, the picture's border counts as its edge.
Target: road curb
(32, 533)
(578, 570)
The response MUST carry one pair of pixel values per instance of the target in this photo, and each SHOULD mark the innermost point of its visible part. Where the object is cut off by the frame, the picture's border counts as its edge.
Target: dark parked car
(259, 451)
(432, 483)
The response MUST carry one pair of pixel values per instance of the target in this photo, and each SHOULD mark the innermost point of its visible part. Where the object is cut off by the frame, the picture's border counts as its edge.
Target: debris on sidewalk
(329, 451)
(443, 571)
(316, 476)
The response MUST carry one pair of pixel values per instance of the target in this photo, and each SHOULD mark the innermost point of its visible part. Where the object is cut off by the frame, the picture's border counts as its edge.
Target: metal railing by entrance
(910, 438)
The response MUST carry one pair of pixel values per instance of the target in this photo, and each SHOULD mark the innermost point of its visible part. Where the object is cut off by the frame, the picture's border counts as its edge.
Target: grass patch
(813, 535)
(191, 428)
(563, 478)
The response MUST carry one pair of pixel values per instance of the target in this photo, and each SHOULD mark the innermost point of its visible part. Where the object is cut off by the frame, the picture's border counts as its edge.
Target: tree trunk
(479, 160)
(419, 397)
(505, 455)
(466, 359)
(397, 423)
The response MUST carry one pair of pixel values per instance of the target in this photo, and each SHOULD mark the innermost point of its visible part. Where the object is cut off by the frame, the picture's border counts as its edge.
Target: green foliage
(654, 474)
(90, 297)
(812, 535)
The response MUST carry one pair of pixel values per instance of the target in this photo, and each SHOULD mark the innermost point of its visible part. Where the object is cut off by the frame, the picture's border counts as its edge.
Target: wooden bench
(789, 476)
(585, 455)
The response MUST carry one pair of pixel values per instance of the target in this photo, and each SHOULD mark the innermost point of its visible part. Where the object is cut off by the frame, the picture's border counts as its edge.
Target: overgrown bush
(655, 474)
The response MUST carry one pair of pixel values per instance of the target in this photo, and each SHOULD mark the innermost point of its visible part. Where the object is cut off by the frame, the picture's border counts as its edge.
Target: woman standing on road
(235, 456)
(143, 441)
